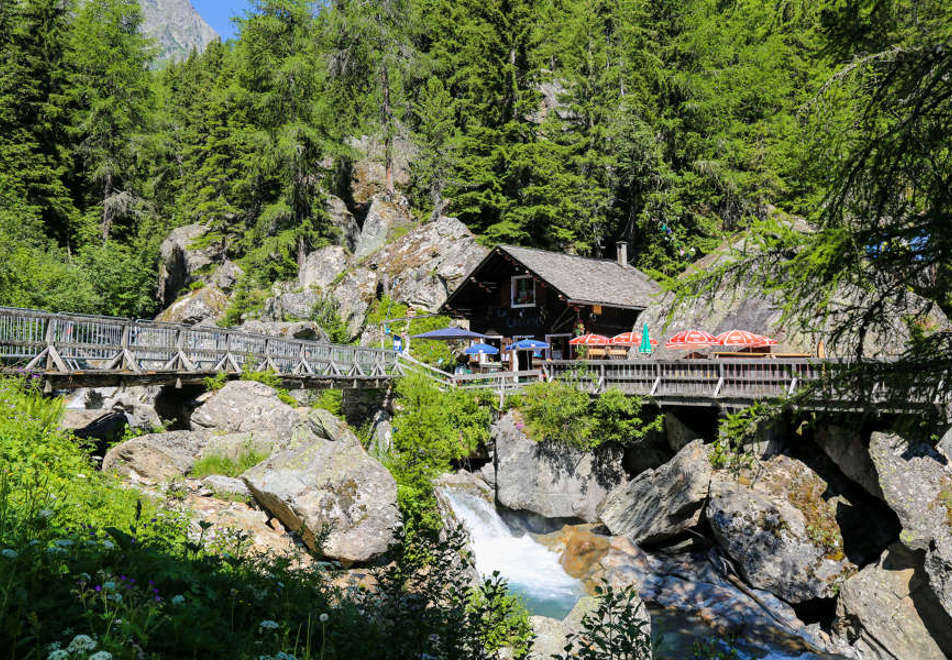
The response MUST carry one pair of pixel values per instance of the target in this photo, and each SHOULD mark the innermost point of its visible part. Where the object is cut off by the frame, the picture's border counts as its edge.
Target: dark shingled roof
(586, 280)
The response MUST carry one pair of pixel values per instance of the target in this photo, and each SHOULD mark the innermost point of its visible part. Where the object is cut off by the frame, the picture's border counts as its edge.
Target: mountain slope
(176, 27)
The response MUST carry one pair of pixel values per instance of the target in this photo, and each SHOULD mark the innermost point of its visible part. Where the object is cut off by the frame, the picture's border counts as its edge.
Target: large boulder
(847, 449)
(343, 220)
(285, 329)
(368, 172)
(342, 502)
(660, 504)
(549, 480)
(322, 267)
(226, 276)
(202, 306)
(160, 457)
(422, 267)
(180, 262)
(779, 531)
(916, 481)
(290, 304)
(386, 214)
(887, 610)
(245, 405)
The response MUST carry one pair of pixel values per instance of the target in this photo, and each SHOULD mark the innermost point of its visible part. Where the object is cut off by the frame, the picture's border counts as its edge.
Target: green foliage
(431, 429)
(270, 378)
(248, 298)
(327, 315)
(618, 629)
(716, 649)
(331, 400)
(501, 618)
(560, 412)
(736, 431)
(216, 382)
(247, 458)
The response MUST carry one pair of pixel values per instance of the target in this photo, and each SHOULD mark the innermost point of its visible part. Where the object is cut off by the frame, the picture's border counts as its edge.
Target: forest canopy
(562, 124)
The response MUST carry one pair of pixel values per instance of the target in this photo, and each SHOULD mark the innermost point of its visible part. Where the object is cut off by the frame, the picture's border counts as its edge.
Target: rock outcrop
(660, 504)
(180, 262)
(322, 267)
(354, 295)
(342, 502)
(368, 172)
(385, 216)
(779, 532)
(551, 481)
(887, 610)
(202, 306)
(916, 481)
(343, 220)
(285, 329)
(244, 405)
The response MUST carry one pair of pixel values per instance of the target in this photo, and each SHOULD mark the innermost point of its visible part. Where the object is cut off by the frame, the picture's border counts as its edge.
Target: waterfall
(532, 570)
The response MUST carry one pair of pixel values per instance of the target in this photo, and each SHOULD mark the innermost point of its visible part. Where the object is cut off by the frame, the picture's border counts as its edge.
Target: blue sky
(218, 13)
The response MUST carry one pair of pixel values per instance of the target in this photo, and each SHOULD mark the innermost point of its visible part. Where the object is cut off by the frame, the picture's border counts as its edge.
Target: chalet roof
(581, 279)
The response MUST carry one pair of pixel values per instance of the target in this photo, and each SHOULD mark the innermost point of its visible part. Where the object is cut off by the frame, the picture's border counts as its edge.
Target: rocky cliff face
(176, 27)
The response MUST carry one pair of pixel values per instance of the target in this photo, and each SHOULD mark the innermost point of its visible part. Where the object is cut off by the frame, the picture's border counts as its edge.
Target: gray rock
(137, 404)
(219, 484)
(779, 532)
(423, 266)
(368, 173)
(552, 481)
(293, 305)
(179, 262)
(660, 504)
(322, 267)
(917, 484)
(320, 487)
(323, 423)
(552, 634)
(944, 445)
(381, 434)
(285, 329)
(354, 295)
(344, 221)
(887, 611)
(226, 276)
(846, 448)
(384, 216)
(244, 405)
(159, 457)
(677, 432)
(202, 306)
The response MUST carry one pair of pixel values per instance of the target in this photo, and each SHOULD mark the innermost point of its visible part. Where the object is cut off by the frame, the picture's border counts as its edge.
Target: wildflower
(323, 617)
(9, 553)
(281, 655)
(101, 655)
(108, 545)
(178, 599)
(55, 550)
(63, 543)
(81, 643)
(109, 586)
(116, 597)
(45, 513)
(58, 654)
(268, 624)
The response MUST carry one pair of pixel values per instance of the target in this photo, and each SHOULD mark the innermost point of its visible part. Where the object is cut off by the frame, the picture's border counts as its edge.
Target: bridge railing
(67, 343)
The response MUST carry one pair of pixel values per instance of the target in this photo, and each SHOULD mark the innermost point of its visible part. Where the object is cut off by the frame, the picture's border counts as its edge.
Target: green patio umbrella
(645, 346)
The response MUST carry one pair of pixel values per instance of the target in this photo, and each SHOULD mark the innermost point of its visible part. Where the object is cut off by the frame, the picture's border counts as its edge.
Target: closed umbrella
(632, 338)
(477, 349)
(590, 340)
(691, 339)
(647, 344)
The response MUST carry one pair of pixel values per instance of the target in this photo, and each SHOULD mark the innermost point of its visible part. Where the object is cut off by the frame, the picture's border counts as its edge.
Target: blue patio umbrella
(528, 345)
(476, 349)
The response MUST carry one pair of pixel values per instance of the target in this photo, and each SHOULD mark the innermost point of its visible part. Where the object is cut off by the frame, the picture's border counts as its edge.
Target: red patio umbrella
(590, 340)
(691, 339)
(744, 339)
(631, 339)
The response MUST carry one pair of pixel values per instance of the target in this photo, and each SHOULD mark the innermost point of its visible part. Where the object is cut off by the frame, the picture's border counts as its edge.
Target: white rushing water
(532, 570)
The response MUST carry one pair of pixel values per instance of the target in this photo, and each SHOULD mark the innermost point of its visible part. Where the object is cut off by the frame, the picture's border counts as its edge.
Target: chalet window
(523, 291)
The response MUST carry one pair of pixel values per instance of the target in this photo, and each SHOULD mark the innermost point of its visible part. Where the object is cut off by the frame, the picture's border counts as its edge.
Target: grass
(226, 465)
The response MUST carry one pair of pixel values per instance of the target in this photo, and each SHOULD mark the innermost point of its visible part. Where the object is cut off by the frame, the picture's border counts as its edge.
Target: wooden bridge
(72, 350)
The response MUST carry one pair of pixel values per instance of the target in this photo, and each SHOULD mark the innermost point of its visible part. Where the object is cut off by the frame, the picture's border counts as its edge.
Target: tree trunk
(387, 128)
(106, 212)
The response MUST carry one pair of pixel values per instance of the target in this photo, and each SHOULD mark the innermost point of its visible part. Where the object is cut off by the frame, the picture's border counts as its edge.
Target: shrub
(216, 382)
(558, 411)
(612, 631)
(326, 313)
(331, 400)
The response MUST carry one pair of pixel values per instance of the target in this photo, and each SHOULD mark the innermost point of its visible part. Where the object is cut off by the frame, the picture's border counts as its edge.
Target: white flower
(80, 475)
(9, 553)
(323, 617)
(115, 597)
(281, 655)
(58, 654)
(55, 550)
(63, 543)
(109, 586)
(81, 643)
(108, 545)
(178, 599)
(45, 513)
(101, 655)
(268, 624)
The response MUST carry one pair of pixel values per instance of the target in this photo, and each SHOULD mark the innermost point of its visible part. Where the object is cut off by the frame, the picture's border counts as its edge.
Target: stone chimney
(621, 248)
